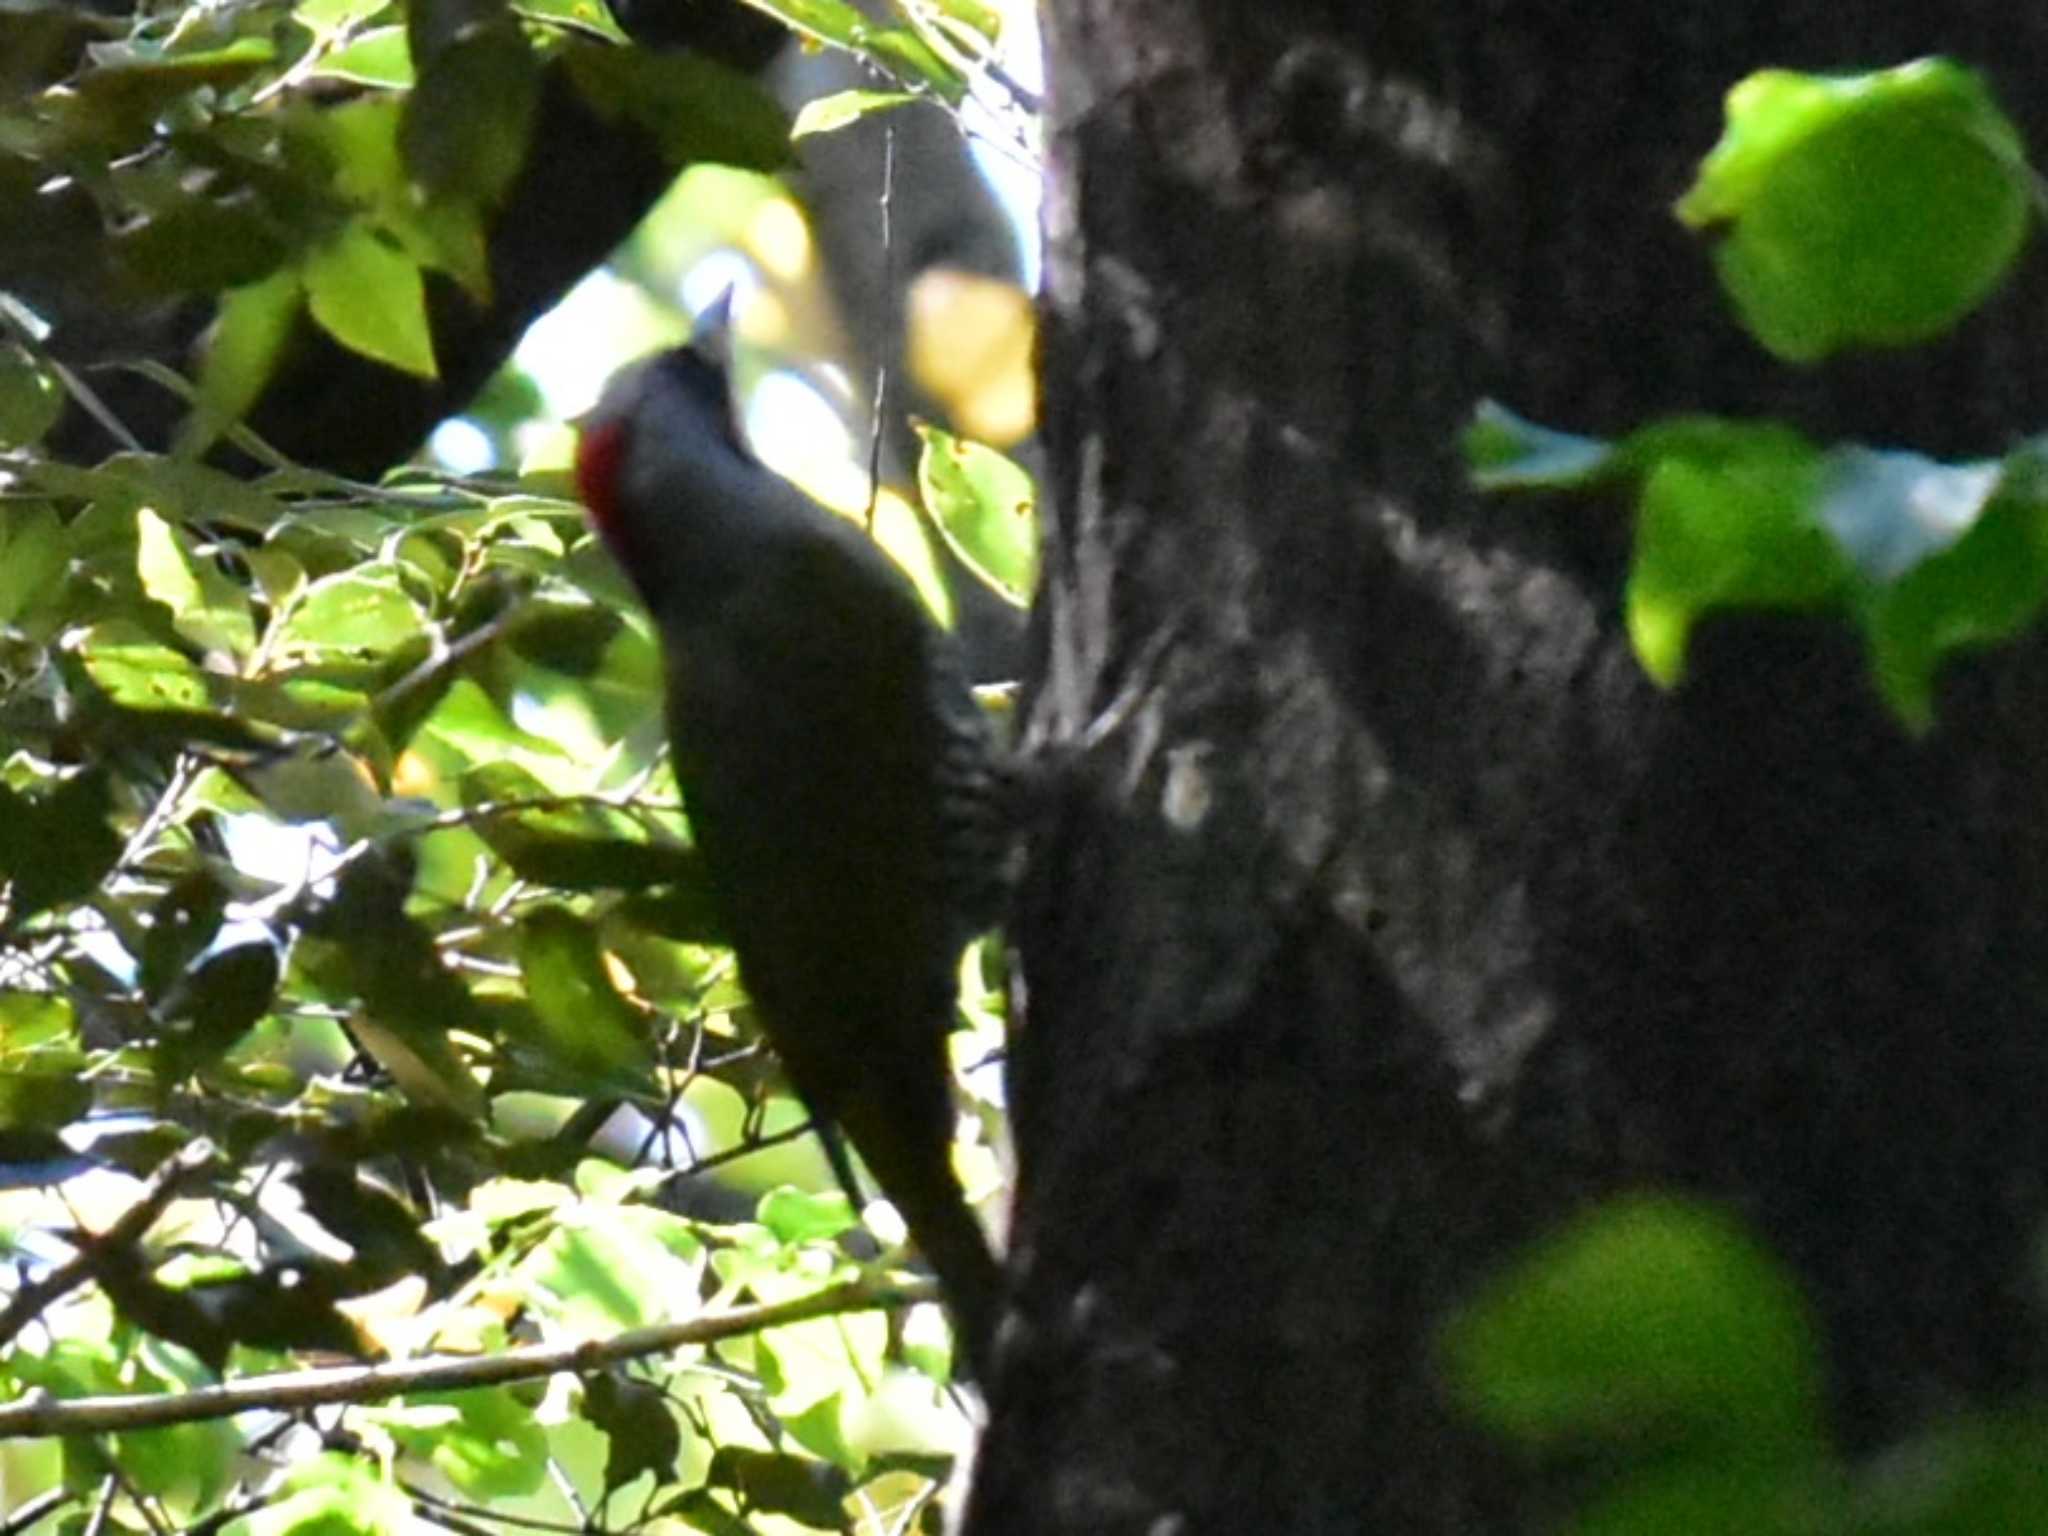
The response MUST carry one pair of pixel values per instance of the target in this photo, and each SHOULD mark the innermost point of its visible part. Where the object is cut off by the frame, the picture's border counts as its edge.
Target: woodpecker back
(841, 782)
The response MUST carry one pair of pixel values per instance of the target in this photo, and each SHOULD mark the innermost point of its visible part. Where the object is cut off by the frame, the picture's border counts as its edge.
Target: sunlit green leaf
(986, 506)
(1861, 210)
(206, 608)
(827, 114)
(369, 296)
(1726, 523)
(329, 16)
(331, 1495)
(797, 1217)
(242, 352)
(366, 609)
(377, 57)
(899, 50)
(598, 1273)
(485, 1442)
(41, 1061)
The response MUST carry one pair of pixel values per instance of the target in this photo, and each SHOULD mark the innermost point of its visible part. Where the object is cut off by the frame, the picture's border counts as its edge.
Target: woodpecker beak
(711, 333)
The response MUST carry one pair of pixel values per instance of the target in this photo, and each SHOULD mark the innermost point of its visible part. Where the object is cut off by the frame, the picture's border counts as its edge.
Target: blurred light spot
(780, 240)
(765, 320)
(970, 345)
(572, 349)
(277, 852)
(799, 435)
(462, 447)
(544, 445)
(718, 271)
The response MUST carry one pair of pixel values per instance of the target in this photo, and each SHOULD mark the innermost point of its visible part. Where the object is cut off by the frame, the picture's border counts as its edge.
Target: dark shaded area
(1402, 917)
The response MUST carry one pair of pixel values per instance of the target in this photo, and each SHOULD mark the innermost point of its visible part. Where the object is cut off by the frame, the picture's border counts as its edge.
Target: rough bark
(1398, 916)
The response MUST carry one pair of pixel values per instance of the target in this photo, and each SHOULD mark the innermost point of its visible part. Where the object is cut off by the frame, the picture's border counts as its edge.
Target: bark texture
(1397, 916)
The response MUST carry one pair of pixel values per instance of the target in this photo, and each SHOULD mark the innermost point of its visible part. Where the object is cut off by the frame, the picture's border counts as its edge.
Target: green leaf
(812, 1493)
(334, 16)
(694, 108)
(331, 1495)
(201, 245)
(32, 556)
(828, 114)
(797, 1217)
(1725, 522)
(1989, 585)
(1861, 210)
(57, 848)
(984, 21)
(484, 1441)
(42, 1081)
(898, 50)
(1650, 1320)
(579, 846)
(130, 85)
(187, 1464)
(242, 353)
(1506, 453)
(821, 1430)
(1722, 1496)
(206, 608)
(571, 638)
(372, 949)
(587, 1028)
(30, 399)
(987, 508)
(639, 1424)
(378, 57)
(600, 1273)
(369, 296)
(1965, 1479)
(366, 609)
(468, 120)
(360, 139)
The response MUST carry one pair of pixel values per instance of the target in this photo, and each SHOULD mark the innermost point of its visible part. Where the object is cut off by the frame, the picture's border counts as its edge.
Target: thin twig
(888, 312)
(41, 1414)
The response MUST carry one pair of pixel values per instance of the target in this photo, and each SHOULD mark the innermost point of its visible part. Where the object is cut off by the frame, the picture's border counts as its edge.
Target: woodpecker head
(661, 454)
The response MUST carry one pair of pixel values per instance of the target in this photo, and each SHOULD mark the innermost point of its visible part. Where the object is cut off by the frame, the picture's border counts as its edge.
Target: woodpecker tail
(916, 1174)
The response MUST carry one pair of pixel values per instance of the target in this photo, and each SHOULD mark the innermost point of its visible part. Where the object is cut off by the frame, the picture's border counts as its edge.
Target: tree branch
(41, 1414)
(36, 1296)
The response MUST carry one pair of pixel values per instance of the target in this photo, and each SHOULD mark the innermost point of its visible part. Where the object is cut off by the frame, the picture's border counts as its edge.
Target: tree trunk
(1395, 916)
